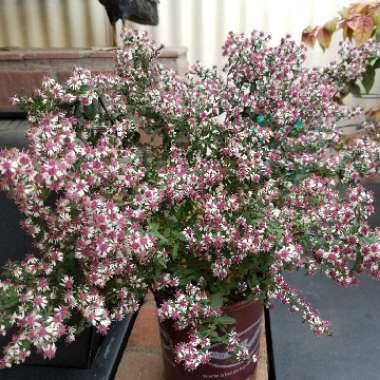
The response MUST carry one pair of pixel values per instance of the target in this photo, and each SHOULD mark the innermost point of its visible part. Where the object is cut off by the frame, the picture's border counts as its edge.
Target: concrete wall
(21, 71)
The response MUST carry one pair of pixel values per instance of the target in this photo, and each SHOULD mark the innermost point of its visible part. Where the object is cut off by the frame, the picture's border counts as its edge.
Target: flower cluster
(187, 309)
(194, 352)
(353, 66)
(204, 188)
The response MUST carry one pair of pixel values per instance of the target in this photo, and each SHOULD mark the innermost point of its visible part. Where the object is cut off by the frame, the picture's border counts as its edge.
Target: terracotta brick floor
(142, 357)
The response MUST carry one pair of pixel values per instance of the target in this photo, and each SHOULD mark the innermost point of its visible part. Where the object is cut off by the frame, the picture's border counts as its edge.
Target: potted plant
(204, 189)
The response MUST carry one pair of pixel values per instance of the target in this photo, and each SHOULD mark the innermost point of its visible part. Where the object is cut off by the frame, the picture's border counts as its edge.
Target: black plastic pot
(103, 367)
(79, 354)
(14, 243)
(91, 356)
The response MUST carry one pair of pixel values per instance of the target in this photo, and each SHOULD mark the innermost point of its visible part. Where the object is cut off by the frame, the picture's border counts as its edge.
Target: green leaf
(369, 79)
(161, 237)
(175, 251)
(358, 261)
(153, 230)
(108, 194)
(126, 160)
(376, 65)
(217, 300)
(178, 235)
(45, 193)
(225, 320)
(354, 89)
(252, 280)
(10, 299)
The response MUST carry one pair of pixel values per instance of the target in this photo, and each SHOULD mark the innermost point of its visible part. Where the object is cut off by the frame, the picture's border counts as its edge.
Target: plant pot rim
(236, 306)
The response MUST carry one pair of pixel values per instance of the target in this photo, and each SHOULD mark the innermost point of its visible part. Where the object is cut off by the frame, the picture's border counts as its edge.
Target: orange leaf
(373, 114)
(376, 17)
(331, 25)
(362, 27)
(358, 9)
(347, 31)
(344, 13)
(324, 37)
(308, 36)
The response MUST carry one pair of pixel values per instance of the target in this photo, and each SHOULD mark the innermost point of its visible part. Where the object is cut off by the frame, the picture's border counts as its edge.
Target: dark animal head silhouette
(140, 11)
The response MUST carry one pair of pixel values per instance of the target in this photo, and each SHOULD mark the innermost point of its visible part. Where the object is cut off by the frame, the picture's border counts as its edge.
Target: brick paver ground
(142, 358)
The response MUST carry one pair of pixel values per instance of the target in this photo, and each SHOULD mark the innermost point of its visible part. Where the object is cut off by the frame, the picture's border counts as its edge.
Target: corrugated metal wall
(53, 23)
(201, 25)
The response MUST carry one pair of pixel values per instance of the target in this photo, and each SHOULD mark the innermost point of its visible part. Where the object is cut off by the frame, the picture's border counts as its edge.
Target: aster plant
(204, 189)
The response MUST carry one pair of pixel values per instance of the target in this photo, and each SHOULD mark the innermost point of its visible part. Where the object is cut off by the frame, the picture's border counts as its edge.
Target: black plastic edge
(268, 336)
(124, 344)
(13, 114)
